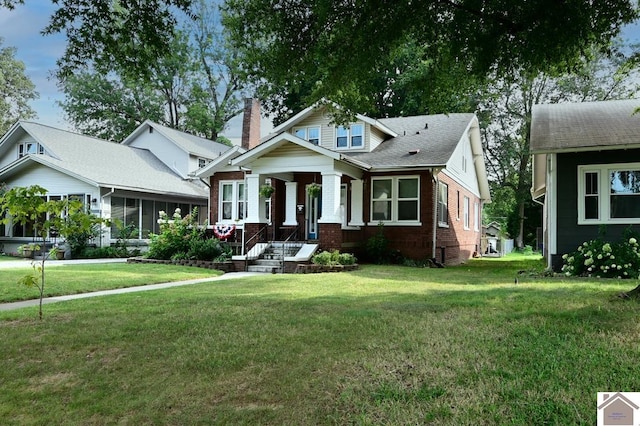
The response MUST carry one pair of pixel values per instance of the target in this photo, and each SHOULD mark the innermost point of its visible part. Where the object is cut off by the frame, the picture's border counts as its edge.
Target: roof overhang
(586, 149)
(278, 141)
(323, 104)
(221, 163)
(24, 162)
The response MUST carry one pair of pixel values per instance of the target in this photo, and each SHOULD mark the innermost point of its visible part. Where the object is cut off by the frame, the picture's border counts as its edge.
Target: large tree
(194, 86)
(16, 89)
(334, 46)
(506, 107)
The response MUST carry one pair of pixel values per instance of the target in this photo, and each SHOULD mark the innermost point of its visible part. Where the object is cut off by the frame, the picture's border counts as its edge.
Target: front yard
(380, 345)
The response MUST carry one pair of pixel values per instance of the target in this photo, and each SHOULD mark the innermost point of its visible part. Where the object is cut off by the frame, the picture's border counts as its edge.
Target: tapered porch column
(331, 198)
(356, 203)
(255, 209)
(291, 189)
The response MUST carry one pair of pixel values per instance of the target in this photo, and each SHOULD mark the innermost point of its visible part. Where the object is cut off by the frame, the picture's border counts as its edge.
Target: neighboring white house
(131, 181)
(182, 152)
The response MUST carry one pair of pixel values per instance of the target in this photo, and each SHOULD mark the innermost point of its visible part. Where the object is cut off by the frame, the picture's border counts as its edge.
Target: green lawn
(380, 345)
(72, 279)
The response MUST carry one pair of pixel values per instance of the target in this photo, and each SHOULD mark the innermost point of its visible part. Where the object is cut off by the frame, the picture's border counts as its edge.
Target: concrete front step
(263, 268)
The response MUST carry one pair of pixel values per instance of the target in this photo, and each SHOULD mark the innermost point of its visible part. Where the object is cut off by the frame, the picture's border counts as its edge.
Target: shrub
(333, 258)
(377, 247)
(180, 239)
(603, 259)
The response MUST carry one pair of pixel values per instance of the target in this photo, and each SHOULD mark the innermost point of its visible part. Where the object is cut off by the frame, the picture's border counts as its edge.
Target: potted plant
(314, 190)
(58, 251)
(26, 250)
(266, 191)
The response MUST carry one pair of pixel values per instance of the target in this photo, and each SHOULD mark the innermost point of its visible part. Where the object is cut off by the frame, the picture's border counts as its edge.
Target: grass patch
(73, 279)
(381, 345)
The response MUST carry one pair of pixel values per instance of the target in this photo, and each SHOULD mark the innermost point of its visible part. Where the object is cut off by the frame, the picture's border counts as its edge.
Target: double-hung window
(395, 199)
(609, 193)
(232, 205)
(465, 210)
(350, 137)
(311, 134)
(443, 204)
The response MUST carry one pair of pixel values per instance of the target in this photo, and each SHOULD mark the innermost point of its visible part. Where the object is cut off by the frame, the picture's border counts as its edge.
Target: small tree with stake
(29, 205)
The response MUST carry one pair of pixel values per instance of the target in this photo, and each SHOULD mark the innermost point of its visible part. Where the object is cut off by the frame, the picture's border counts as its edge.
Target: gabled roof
(194, 145)
(99, 162)
(435, 137)
(378, 124)
(220, 163)
(284, 138)
(586, 126)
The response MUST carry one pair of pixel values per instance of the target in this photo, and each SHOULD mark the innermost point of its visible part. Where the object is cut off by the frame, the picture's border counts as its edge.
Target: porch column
(356, 202)
(291, 191)
(331, 198)
(255, 209)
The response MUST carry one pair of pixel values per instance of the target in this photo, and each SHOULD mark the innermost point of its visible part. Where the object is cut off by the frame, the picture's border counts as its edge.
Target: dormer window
(350, 137)
(27, 148)
(311, 134)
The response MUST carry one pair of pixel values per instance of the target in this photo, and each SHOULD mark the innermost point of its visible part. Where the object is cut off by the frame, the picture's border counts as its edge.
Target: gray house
(586, 172)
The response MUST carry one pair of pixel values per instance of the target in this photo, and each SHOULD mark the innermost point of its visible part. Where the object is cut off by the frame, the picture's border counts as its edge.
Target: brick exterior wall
(214, 182)
(458, 244)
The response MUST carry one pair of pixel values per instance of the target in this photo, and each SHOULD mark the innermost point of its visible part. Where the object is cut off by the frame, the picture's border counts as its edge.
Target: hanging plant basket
(266, 191)
(314, 190)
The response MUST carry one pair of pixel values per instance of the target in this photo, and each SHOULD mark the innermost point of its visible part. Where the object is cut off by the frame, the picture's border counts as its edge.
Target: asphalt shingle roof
(193, 144)
(108, 163)
(436, 136)
(585, 126)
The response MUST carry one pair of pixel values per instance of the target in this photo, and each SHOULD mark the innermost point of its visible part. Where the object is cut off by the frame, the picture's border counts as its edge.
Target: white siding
(462, 156)
(12, 153)
(174, 157)
(54, 181)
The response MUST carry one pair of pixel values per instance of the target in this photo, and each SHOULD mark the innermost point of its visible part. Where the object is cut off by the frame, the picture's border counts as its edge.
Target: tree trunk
(632, 294)
(520, 238)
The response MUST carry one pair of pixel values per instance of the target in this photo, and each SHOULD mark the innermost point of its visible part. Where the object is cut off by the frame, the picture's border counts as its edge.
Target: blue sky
(21, 28)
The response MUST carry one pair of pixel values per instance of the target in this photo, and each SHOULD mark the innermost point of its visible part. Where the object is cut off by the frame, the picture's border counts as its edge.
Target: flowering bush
(602, 259)
(180, 238)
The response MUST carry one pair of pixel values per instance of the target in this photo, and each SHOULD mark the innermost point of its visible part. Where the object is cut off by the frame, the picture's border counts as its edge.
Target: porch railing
(260, 236)
(287, 243)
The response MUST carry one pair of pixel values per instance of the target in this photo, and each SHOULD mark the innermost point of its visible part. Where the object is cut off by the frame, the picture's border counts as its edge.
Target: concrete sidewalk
(35, 302)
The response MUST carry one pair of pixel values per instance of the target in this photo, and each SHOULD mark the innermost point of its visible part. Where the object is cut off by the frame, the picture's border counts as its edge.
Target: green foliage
(333, 257)
(180, 238)
(605, 260)
(377, 247)
(317, 49)
(99, 253)
(66, 217)
(192, 86)
(16, 89)
(266, 191)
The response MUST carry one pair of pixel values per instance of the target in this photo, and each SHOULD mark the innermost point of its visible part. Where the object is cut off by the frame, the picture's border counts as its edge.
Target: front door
(314, 207)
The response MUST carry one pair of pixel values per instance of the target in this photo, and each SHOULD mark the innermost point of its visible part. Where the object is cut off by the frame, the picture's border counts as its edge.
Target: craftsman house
(131, 182)
(420, 180)
(586, 172)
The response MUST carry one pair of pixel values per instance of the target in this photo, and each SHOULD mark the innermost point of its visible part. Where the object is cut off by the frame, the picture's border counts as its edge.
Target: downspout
(435, 211)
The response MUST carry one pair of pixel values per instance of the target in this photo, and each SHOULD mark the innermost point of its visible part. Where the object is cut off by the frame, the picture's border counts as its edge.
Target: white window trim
(440, 223)
(235, 200)
(394, 202)
(603, 193)
(476, 216)
(349, 137)
(306, 133)
(465, 212)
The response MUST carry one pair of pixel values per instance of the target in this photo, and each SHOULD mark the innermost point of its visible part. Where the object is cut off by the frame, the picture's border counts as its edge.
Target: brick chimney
(251, 123)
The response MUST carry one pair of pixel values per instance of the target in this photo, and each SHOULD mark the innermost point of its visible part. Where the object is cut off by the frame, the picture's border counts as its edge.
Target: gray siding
(569, 233)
